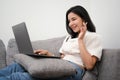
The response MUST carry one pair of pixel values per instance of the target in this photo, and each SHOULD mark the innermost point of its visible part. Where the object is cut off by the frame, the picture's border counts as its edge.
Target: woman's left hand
(82, 31)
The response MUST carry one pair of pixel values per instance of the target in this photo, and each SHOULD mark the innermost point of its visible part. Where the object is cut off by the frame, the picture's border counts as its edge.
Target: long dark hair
(82, 13)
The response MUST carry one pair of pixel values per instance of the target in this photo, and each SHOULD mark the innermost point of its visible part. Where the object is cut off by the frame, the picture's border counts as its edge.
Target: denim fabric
(79, 73)
(17, 72)
(14, 72)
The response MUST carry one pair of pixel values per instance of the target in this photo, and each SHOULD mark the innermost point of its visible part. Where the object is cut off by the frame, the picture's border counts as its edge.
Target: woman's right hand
(43, 52)
(83, 30)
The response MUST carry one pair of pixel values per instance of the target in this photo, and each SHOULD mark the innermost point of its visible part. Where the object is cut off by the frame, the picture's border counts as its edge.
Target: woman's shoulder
(92, 35)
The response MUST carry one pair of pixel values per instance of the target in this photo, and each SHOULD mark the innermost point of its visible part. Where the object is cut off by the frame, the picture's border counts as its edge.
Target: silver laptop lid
(22, 38)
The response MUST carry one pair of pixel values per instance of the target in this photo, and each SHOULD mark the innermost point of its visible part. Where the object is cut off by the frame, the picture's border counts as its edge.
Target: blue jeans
(17, 72)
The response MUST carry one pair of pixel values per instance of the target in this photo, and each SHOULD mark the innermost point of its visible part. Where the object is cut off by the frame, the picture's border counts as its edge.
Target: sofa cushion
(11, 50)
(51, 45)
(109, 66)
(2, 54)
(45, 67)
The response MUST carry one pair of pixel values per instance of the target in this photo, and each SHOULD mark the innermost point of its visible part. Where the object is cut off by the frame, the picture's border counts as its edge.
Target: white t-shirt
(70, 47)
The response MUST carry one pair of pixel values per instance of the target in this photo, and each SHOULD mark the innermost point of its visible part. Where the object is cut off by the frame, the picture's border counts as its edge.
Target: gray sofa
(107, 69)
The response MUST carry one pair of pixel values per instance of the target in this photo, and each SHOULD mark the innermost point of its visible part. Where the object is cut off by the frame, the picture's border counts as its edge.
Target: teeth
(73, 26)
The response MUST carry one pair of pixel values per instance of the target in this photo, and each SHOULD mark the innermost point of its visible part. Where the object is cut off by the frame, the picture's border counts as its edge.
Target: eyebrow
(72, 18)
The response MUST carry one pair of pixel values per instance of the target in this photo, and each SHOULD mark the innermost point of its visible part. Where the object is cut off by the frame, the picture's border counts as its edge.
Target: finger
(84, 23)
(82, 29)
(37, 51)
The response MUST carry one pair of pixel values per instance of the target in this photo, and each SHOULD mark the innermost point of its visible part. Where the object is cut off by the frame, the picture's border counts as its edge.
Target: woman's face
(75, 22)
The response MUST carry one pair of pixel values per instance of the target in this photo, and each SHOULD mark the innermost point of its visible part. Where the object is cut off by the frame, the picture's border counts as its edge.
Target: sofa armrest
(109, 68)
(2, 54)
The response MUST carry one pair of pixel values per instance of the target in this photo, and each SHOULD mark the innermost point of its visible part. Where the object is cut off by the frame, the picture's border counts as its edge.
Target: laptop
(23, 41)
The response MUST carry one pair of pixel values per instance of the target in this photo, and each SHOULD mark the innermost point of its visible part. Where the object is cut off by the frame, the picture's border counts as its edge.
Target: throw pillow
(45, 67)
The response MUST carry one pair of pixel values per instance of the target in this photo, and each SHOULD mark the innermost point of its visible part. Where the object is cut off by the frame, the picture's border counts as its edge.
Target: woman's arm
(88, 60)
(45, 52)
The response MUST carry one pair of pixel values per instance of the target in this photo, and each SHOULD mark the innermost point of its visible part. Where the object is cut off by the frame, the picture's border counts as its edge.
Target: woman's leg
(17, 76)
(79, 74)
(15, 72)
(15, 67)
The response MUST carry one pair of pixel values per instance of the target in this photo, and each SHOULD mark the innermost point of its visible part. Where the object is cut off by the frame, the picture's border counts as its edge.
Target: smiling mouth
(74, 27)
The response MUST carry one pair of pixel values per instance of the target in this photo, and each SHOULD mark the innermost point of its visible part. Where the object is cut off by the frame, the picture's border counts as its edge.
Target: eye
(73, 19)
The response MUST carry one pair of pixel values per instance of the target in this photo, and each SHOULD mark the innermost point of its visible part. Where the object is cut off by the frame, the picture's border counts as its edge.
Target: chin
(75, 31)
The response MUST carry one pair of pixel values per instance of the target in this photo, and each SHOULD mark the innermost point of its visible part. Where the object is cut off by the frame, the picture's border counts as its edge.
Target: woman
(82, 47)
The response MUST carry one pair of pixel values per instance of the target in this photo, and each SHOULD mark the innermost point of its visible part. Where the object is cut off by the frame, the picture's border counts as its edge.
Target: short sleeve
(60, 50)
(94, 45)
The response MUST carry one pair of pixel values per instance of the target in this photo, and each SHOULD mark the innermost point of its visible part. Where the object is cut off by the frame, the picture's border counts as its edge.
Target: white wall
(46, 18)
(106, 15)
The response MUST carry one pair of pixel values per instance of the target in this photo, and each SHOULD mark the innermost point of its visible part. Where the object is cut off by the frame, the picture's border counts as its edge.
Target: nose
(70, 24)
